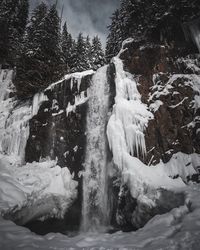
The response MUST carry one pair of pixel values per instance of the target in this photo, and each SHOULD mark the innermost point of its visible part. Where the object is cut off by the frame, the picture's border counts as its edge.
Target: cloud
(91, 17)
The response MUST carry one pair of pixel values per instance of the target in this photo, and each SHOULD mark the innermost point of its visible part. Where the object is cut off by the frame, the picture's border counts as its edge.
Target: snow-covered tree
(13, 20)
(155, 20)
(41, 60)
(67, 47)
(114, 38)
(88, 52)
(98, 57)
(52, 44)
(81, 61)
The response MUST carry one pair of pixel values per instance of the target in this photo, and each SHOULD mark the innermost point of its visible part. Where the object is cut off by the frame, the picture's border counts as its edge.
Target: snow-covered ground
(36, 190)
(178, 229)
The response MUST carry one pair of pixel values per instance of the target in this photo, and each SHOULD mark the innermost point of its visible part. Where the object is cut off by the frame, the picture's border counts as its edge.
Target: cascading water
(95, 211)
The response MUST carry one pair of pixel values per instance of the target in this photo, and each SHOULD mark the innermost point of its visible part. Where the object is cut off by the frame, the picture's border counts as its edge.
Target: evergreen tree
(88, 52)
(114, 38)
(153, 20)
(98, 57)
(81, 62)
(67, 47)
(13, 20)
(41, 60)
(52, 47)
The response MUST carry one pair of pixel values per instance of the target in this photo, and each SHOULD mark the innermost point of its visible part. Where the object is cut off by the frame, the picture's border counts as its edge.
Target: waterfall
(95, 194)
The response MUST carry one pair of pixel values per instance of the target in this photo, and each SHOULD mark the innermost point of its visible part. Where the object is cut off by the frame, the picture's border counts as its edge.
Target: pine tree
(81, 62)
(88, 52)
(155, 21)
(31, 62)
(114, 38)
(52, 44)
(67, 47)
(13, 20)
(41, 61)
(98, 57)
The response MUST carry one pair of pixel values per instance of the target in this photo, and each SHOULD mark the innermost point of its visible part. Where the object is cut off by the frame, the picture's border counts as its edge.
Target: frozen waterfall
(14, 118)
(95, 211)
(130, 117)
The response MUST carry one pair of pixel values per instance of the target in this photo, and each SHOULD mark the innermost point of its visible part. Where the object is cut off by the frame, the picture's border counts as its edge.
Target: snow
(74, 77)
(178, 104)
(183, 165)
(79, 100)
(36, 190)
(178, 229)
(159, 89)
(155, 106)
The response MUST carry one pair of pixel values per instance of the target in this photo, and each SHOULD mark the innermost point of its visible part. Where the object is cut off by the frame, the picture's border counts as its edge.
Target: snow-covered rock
(34, 191)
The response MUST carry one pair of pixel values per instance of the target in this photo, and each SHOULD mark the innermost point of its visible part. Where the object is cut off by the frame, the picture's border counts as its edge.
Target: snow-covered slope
(178, 229)
(33, 191)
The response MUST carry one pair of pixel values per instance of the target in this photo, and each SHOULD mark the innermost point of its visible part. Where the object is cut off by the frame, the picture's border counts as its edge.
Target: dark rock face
(166, 76)
(165, 80)
(133, 214)
(58, 132)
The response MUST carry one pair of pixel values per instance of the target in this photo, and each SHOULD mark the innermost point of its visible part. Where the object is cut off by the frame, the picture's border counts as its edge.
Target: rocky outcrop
(168, 80)
(58, 131)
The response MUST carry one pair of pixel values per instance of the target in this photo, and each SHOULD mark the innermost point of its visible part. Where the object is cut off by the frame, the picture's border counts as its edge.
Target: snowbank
(178, 229)
(35, 190)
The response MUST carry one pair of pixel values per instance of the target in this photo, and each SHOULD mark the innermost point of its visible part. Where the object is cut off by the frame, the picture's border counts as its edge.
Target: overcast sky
(87, 16)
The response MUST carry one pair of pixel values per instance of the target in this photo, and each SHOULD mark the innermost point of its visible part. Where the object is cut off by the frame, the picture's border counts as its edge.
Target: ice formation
(14, 118)
(183, 165)
(125, 133)
(95, 209)
(79, 99)
(130, 117)
(35, 190)
(38, 99)
(74, 77)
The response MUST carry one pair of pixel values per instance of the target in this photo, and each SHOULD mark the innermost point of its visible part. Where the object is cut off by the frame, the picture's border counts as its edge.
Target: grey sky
(86, 16)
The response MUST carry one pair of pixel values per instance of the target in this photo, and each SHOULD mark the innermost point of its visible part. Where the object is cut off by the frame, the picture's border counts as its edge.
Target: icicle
(71, 83)
(130, 117)
(5, 82)
(79, 80)
(38, 99)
